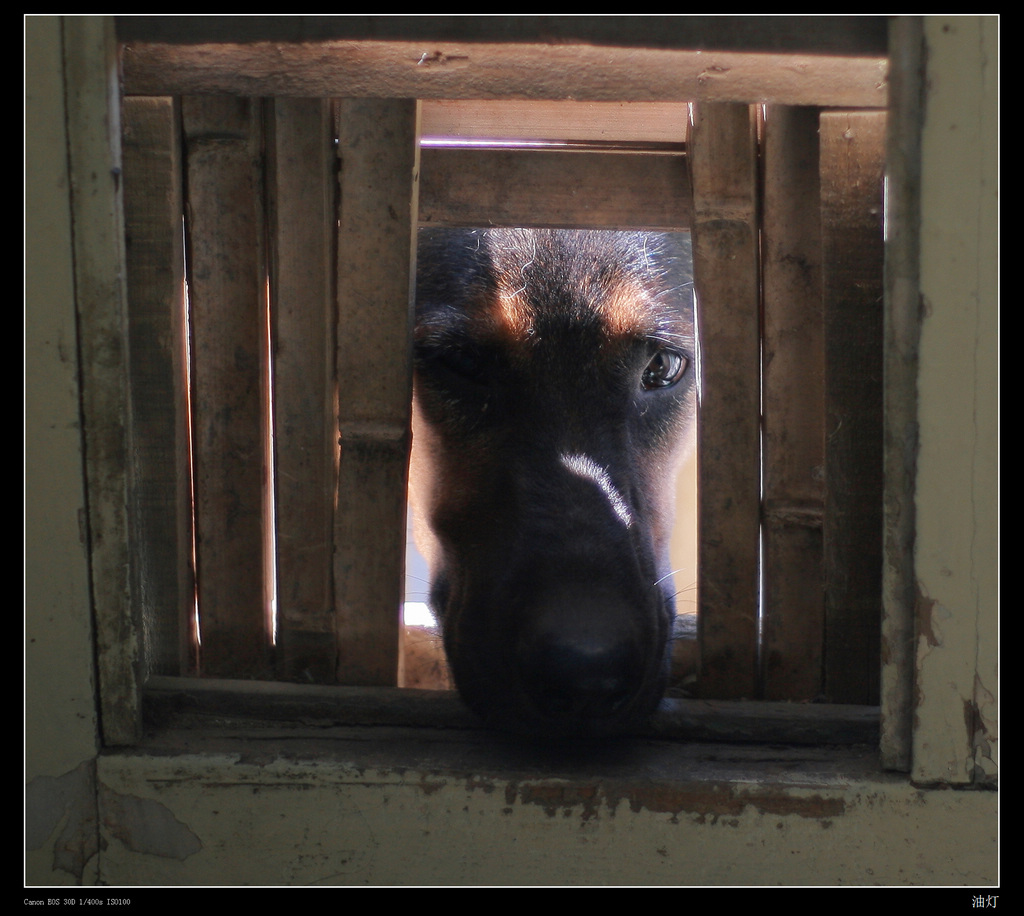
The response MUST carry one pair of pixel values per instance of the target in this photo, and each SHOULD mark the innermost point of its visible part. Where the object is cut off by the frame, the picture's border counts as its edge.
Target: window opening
(269, 418)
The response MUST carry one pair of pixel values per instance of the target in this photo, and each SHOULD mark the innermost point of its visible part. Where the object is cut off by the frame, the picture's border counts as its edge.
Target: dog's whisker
(667, 575)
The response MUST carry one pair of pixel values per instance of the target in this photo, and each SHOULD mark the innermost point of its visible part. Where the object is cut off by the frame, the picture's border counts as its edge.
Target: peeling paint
(727, 802)
(429, 785)
(708, 805)
(984, 736)
(69, 798)
(970, 716)
(924, 608)
(146, 826)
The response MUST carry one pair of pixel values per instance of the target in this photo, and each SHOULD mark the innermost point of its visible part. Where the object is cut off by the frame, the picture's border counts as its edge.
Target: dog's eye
(466, 364)
(665, 369)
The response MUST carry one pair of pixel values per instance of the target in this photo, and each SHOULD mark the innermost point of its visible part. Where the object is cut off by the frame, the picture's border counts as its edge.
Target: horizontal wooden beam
(840, 35)
(554, 189)
(492, 70)
(570, 122)
(194, 702)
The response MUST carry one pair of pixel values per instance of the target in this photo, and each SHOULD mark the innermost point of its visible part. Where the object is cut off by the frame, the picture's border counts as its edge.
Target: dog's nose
(579, 659)
(577, 679)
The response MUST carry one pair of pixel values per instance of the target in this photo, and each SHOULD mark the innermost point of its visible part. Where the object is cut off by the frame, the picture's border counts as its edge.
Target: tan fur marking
(513, 317)
(626, 311)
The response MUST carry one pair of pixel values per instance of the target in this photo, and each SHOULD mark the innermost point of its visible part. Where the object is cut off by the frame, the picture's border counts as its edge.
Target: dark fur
(544, 460)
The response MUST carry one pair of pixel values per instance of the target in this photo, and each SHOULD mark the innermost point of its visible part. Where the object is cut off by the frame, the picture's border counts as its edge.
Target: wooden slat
(725, 262)
(554, 189)
(902, 333)
(647, 122)
(379, 152)
(498, 70)
(794, 405)
(828, 34)
(179, 703)
(301, 191)
(227, 297)
(852, 167)
(161, 491)
(94, 162)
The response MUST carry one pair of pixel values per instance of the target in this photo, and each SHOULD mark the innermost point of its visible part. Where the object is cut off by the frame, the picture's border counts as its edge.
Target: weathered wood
(422, 662)
(302, 199)
(162, 489)
(579, 122)
(846, 35)
(179, 702)
(94, 162)
(554, 189)
(263, 708)
(228, 321)
(378, 150)
(852, 170)
(494, 70)
(902, 335)
(726, 274)
(766, 722)
(794, 406)
(957, 566)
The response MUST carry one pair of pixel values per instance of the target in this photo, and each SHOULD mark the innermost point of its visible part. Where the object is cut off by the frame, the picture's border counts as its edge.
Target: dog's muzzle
(577, 657)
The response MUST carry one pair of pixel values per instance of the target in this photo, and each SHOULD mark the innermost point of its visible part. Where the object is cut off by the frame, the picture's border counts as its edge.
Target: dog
(554, 399)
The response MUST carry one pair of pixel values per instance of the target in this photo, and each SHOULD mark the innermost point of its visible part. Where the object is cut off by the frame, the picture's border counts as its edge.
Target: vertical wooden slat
(94, 162)
(902, 335)
(227, 309)
(723, 152)
(794, 405)
(852, 171)
(161, 490)
(379, 152)
(302, 190)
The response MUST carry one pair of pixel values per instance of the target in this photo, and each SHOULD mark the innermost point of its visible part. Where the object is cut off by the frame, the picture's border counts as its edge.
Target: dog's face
(554, 399)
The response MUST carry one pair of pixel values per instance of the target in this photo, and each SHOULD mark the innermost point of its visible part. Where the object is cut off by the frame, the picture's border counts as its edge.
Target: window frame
(119, 727)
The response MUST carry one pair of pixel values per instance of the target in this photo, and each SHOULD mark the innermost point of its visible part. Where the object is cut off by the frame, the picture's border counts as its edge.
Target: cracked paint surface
(146, 826)
(67, 803)
(708, 805)
(63, 809)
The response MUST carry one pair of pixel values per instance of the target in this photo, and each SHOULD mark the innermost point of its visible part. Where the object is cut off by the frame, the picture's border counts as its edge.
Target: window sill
(197, 709)
(696, 752)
